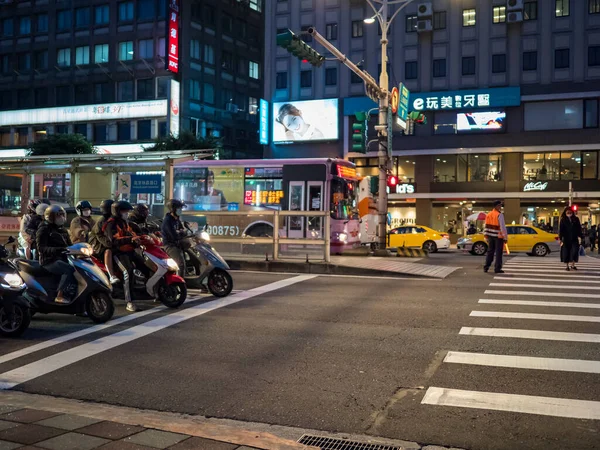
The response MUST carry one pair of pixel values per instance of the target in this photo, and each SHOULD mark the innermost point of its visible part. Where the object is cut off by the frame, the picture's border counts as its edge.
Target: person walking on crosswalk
(569, 234)
(496, 236)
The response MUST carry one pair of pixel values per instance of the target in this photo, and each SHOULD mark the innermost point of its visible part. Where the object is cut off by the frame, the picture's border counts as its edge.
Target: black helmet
(32, 204)
(53, 211)
(81, 206)
(141, 210)
(120, 206)
(175, 204)
(106, 207)
(41, 209)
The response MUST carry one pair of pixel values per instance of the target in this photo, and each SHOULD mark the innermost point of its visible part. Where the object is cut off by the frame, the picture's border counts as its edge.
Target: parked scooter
(93, 291)
(14, 309)
(204, 265)
(156, 278)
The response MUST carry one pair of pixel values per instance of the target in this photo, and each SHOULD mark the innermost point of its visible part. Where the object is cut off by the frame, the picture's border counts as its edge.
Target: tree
(186, 141)
(61, 144)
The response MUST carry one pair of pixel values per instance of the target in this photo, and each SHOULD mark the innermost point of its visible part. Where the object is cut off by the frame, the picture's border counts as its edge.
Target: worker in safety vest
(496, 236)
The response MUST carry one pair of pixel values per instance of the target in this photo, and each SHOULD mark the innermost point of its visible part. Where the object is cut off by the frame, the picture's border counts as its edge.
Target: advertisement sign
(535, 186)
(485, 121)
(173, 36)
(174, 109)
(467, 99)
(264, 122)
(303, 121)
(85, 113)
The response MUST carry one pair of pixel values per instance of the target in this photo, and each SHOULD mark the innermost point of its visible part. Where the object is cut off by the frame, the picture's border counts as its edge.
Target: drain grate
(325, 443)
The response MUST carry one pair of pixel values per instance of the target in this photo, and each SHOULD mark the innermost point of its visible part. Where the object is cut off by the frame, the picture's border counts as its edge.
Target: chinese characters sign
(264, 122)
(262, 198)
(469, 99)
(139, 184)
(173, 36)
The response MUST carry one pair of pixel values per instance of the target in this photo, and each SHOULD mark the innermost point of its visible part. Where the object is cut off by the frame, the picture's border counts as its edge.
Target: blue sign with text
(146, 184)
(264, 122)
(467, 99)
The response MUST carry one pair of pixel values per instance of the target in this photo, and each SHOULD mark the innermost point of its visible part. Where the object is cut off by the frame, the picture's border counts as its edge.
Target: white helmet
(41, 209)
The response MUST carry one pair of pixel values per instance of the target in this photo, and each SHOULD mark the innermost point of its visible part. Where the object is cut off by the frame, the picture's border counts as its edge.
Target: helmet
(141, 210)
(175, 204)
(41, 209)
(53, 211)
(32, 204)
(121, 206)
(81, 206)
(106, 207)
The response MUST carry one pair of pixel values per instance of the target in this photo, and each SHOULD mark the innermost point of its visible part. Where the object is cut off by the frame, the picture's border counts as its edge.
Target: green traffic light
(361, 116)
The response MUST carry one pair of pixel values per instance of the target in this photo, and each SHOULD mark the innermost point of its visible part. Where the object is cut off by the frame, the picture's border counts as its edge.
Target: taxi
(521, 239)
(418, 236)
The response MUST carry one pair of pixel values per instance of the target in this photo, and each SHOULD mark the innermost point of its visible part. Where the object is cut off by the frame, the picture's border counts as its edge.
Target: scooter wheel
(19, 323)
(172, 295)
(99, 307)
(220, 283)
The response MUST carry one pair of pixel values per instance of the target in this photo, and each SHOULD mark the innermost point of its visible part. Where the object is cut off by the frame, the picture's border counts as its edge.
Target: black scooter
(92, 292)
(15, 315)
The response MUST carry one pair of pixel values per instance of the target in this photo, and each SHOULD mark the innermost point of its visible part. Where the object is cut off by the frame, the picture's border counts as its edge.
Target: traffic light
(417, 117)
(392, 181)
(299, 48)
(374, 184)
(574, 208)
(360, 132)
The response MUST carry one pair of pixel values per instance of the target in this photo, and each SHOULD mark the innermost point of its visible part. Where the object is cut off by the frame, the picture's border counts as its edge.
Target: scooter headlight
(205, 236)
(13, 280)
(172, 265)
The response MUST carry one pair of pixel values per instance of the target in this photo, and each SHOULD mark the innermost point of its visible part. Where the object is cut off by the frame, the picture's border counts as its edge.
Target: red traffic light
(392, 180)
(574, 207)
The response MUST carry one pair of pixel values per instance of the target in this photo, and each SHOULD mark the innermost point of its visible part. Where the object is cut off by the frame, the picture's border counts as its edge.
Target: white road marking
(531, 334)
(535, 316)
(565, 275)
(545, 280)
(538, 303)
(391, 278)
(547, 286)
(523, 362)
(528, 404)
(543, 294)
(548, 270)
(12, 378)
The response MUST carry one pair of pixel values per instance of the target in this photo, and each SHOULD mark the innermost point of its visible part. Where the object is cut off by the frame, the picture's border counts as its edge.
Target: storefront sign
(174, 109)
(85, 113)
(173, 37)
(264, 122)
(404, 100)
(139, 184)
(467, 99)
(535, 186)
(405, 188)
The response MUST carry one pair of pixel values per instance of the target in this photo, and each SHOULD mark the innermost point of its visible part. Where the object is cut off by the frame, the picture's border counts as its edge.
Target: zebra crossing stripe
(535, 316)
(531, 334)
(541, 303)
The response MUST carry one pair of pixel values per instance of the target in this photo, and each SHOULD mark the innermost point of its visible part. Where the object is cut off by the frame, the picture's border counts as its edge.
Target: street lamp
(369, 20)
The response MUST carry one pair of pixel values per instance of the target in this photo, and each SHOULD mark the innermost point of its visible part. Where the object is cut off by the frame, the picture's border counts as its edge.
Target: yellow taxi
(418, 236)
(521, 239)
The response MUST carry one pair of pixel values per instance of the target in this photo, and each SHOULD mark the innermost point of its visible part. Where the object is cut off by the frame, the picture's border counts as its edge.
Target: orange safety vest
(492, 224)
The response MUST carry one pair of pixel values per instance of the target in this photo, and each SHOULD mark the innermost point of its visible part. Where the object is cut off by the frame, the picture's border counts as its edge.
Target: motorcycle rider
(82, 224)
(26, 239)
(35, 223)
(138, 220)
(173, 232)
(99, 242)
(52, 240)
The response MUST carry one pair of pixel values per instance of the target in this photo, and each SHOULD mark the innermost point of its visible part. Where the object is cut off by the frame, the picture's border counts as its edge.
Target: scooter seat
(33, 268)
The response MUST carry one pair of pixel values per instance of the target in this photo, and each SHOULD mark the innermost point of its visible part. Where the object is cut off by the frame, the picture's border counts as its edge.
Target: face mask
(124, 216)
(60, 221)
(87, 213)
(178, 211)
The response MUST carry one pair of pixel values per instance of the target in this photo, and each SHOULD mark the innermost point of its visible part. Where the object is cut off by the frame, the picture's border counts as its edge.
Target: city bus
(317, 184)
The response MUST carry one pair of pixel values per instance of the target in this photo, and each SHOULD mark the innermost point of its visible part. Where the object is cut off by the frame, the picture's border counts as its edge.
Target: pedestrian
(569, 234)
(593, 237)
(496, 236)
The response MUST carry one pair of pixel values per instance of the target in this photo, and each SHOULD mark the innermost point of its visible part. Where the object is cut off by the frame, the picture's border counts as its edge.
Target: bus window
(343, 199)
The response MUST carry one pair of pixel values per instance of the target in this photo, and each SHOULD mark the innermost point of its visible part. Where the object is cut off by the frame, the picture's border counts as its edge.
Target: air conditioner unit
(424, 10)
(424, 26)
(514, 5)
(231, 107)
(514, 17)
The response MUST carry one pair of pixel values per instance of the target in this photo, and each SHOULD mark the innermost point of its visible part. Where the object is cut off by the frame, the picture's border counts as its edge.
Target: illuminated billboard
(173, 36)
(484, 121)
(303, 121)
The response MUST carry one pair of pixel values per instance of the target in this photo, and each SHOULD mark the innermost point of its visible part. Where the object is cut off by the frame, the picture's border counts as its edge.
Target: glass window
(439, 20)
(125, 11)
(591, 113)
(411, 70)
(195, 49)
(594, 55)
(252, 105)
(100, 134)
(561, 58)
(126, 51)
(24, 62)
(24, 25)
(162, 87)
(8, 27)
(144, 129)
(241, 28)
(64, 57)
(81, 128)
(209, 54)
(194, 90)
(41, 60)
(331, 31)
(226, 23)
(146, 48)
(529, 60)
(306, 78)
(357, 28)
(445, 168)
(63, 20)
(530, 10)
(124, 131)
(468, 65)
(331, 76)
(146, 9)
(101, 15)
(161, 49)
(439, 68)
(101, 53)
(209, 14)
(499, 63)
(242, 66)
(468, 17)
(125, 91)
(343, 200)
(404, 168)
(42, 23)
(145, 89)
(555, 115)
(594, 6)
(104, 92)
(82, 17)
(590, 165)
(411, 24)
(209, 93)
(63, 95)
(570, 165)
(485, 167)
(82, 55)
(281, 80)
(541, 166)
(499, 14)
(562, 8)
(253, 70)
(82, 94)
(355, 79)
(226, 60)
(256, 5)
(41, 97)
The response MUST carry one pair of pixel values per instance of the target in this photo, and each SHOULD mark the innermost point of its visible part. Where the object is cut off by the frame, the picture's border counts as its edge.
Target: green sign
(403, 107)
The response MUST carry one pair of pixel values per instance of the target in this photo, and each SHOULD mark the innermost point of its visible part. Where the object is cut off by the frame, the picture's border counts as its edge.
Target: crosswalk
(534, 305)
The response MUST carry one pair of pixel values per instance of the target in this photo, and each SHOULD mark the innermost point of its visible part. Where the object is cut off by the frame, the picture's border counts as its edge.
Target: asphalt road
(352, 354)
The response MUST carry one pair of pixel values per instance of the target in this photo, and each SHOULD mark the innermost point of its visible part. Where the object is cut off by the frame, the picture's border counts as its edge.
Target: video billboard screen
(304, 121)
(484, 121)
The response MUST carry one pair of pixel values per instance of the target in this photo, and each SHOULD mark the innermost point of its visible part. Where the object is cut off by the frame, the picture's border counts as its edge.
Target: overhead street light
(370, 20)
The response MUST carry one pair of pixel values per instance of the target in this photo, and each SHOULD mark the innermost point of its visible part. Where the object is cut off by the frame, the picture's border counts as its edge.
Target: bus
(316, 184)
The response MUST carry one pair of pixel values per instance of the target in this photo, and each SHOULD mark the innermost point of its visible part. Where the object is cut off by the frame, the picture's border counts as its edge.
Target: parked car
(521, 239)
(418, 236)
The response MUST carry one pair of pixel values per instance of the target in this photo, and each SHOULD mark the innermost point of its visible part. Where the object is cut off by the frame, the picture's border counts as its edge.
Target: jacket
(172, 230)
(118, 234)
(141, 225)
(569, 231)
(96, 237)
(51, 241)
(494, 225)
(80, 228)
(32, 228)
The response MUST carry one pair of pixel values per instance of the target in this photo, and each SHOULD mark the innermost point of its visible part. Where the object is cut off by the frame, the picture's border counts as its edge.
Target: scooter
(203, 264)
(155, 278)
(14, 309)
(92, 292)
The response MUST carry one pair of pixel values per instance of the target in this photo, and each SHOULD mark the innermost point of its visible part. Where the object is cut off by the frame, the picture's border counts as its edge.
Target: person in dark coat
(593, 237)
(569, 234)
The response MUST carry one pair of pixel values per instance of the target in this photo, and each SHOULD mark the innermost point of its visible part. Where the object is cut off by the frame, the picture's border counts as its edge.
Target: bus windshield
(343, 199)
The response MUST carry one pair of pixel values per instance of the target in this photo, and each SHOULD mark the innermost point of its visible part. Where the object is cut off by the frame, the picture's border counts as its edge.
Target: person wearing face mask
(25, 239)
(82, 225)
(34, 224)
(295, 127)
(569, 234)
(100, 244)
(52, 241)
(173, 232)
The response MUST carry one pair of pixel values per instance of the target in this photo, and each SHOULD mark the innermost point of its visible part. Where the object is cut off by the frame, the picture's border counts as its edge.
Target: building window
(411, 24)
(99, 133)
(82, 17)
(590, 109)
(162, 87)
(242, 66)
(594, 55)
(82, 94)
(145, 89)
(226, 60)
(126, 51)
(63, 58)
(6, 64)
(8, 27)
(252, 105)
(242, 29)
(281, 80)
(439, 20)
(6, 101)
(101, 53)
(306, 78)
(468, 65)
(357, 28)
(146, 47)
(226, 24)
(63, 95)
(561, 58)
(41, 97)
(146, 9)
(24, 25)
(82, 55)
(41, 60)
(161, 47)
(63, 20)
(331, 76)
(331, 31)
(209, 93)
(589, 161)
(355, 79)
(144, 130)
(24, 99)
(195, 49)
(411, 70)
(594, 6)
(194, 90)
(42, 23)
(256, 5)
(499, 63)
(209, 15)
(123, 131)
(530, 10)
(253, 70)
(529, 61)
(468, 17)
(24, 62)
(562, 8)
(103, 92)
(101, 15)
(439, 68)
(125, 11)
(81, 128)
(209, 54)
(499, 14)
(125, 91)
(553, 115)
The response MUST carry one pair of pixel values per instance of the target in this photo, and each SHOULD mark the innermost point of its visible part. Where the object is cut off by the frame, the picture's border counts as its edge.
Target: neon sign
(173, 37)
(535, 186)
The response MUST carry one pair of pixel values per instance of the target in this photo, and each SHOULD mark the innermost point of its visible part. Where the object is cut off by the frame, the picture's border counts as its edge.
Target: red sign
(173, 37)
(395, 100)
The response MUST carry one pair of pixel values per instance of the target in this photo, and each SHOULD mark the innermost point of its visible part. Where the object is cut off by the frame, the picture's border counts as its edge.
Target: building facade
(510, 90)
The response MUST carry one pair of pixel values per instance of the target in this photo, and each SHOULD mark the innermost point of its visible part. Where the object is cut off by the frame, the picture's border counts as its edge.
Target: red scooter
(155, 278)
